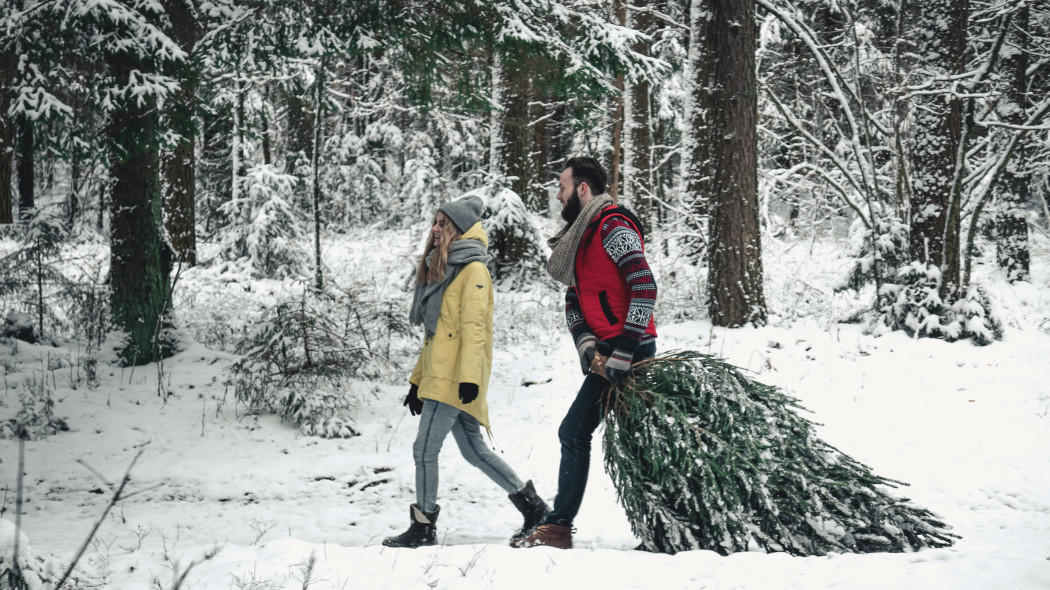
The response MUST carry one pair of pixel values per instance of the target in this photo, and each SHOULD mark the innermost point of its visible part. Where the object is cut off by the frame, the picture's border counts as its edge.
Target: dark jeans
(575, 434)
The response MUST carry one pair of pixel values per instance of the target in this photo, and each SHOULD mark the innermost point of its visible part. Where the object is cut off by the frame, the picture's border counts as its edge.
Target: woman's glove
(415, 405)
(468, 392)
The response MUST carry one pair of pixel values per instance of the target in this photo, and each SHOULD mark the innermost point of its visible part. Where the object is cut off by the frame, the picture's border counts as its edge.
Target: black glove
(468, 392)
(415, 405)
(618, 369)
(586, 349)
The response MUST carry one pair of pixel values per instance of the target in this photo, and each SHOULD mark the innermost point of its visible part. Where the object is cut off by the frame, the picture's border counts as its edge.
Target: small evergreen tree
(704, 458)
(912, 303)
(877, 248)
(265, 230)
(300, 357)
(515, 243)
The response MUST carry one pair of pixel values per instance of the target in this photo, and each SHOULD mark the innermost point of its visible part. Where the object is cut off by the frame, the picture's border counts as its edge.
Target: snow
(244, 501)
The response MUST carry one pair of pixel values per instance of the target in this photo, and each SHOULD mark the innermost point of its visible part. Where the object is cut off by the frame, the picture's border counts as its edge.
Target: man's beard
(572, 207)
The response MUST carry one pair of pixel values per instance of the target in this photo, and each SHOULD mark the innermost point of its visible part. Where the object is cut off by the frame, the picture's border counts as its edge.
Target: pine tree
(705, 458)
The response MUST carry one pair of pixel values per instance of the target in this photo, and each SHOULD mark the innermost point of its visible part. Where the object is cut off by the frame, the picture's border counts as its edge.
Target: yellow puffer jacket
(461, 349)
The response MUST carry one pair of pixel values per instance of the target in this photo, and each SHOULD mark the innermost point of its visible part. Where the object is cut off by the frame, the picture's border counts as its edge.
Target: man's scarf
(565, 243)
(426, 302)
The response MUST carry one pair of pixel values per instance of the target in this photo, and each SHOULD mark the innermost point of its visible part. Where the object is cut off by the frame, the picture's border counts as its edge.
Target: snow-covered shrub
(882, 248)
(422, 187)
(302, 354)
(265, 228)
(36, 415)
(912, 303)
(361, 173)
(19, 325)
(515, 242)
(32, 571)
(31, 272)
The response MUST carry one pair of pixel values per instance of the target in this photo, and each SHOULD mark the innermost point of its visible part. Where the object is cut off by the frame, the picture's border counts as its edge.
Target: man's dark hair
(590, 171)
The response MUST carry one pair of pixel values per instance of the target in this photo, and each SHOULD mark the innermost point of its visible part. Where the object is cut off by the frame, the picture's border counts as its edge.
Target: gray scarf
(426, 302)
(565, 243)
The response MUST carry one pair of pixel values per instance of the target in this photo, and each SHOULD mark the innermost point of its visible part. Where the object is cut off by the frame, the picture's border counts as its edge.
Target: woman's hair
(436, 271)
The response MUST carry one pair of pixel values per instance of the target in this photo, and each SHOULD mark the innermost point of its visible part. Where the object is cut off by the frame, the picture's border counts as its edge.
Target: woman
(453, 301)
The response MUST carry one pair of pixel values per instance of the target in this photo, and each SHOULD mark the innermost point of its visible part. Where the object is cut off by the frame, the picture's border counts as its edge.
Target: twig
(94, 530)
(18, 496)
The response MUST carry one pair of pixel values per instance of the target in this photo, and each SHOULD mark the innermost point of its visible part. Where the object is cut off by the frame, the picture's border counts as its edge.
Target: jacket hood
(476, 232)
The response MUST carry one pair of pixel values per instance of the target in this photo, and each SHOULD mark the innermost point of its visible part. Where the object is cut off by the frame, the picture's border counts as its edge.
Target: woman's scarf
(565, 243)
(426, 302)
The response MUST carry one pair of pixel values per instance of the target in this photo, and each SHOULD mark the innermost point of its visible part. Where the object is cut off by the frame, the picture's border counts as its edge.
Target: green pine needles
(705, 458)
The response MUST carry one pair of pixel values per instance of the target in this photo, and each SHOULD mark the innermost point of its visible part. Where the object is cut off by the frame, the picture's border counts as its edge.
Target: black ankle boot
(531, 506)
(421, 532)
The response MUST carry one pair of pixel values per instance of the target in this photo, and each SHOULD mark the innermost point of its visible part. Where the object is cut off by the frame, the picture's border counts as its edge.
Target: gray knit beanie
(464, 211)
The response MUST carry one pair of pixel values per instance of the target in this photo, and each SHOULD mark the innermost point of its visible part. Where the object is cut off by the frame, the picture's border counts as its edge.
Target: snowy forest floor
(249, 503)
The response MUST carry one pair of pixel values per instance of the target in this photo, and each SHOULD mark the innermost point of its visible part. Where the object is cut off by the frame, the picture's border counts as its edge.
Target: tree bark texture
(936, 34)
(139, 281)
(1012, 250)
(8, 61)
(26, 167)
(639, 174)
(698, 137)
(518, 137)
(735, 256)
(616, 159)
(180, 165)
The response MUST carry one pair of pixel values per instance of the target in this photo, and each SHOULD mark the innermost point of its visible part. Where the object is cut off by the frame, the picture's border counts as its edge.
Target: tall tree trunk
(639, 173)
(138, 279)
(735, 257)
(8, 61)
(517, 134)
(937, 34)
(299, 128)
(316, 164)
(181, 164)
(26, 167)
(537, 191)
(697, 137)
(615, 172)
(1012, 250)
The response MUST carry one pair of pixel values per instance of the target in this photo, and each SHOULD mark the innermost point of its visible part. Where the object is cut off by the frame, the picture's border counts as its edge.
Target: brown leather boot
(547, 535)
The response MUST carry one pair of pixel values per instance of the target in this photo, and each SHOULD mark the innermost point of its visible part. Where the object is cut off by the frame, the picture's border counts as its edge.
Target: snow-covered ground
(244, 501)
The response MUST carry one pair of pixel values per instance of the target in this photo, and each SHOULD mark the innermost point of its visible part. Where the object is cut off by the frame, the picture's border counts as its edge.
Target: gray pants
(435, 423)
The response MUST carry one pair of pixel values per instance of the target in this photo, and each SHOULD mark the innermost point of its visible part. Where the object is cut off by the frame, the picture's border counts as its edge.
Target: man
(609, 302)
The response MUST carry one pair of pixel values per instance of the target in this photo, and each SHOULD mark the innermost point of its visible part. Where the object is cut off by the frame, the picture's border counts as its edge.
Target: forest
(915, 133)
(210, 212)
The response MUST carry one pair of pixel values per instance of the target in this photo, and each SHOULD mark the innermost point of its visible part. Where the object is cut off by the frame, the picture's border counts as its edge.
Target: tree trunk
(735, 256)
(26, 165)
(697, 136)
(639, 173)
(537, 191)
(1012, 250)
(316, 164)
(8, 61)
(937, 32)
(180, 165)
(139, 282)
(615, 172)
(522, 149)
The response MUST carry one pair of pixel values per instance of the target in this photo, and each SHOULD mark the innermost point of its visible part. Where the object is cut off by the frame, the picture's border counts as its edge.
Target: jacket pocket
(446, 354)
(603, 298)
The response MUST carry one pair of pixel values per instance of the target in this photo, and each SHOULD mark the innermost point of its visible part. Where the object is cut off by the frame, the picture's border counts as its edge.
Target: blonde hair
(436, 270)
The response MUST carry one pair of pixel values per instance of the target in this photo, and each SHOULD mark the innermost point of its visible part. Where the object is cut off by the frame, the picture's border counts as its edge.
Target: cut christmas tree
(705, 458)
